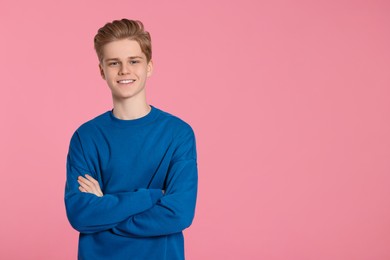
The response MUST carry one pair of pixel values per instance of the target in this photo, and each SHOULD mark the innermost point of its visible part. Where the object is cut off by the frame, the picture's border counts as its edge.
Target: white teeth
(126, 81)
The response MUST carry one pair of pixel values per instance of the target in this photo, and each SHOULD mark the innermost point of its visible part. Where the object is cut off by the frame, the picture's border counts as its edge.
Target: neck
(130, 109)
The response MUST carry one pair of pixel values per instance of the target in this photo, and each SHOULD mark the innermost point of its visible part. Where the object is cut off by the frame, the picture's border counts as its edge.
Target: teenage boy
(132, 176)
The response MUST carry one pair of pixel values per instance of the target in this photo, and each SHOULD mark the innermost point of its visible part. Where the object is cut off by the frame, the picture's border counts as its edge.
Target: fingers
(94, 182)
(96, 186)
(82, 189)
(89, 185)
(85, 183)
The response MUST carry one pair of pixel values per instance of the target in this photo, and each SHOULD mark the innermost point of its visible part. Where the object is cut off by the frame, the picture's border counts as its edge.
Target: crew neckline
(149, 117)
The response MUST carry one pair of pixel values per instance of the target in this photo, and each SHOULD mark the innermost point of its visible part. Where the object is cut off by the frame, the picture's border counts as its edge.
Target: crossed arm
(139, 213)
(171, 213)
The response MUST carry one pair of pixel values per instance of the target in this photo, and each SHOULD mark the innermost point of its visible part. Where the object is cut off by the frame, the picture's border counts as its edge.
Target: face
(125, 68)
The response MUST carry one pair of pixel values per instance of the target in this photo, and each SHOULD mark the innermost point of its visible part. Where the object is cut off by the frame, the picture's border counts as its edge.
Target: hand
(89, 185)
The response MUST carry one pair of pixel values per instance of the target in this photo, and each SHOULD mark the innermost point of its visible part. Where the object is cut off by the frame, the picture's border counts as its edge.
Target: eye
(134, 62)
(114, 63)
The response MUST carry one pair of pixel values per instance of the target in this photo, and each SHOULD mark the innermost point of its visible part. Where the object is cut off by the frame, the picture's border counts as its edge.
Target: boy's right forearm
(88, 213)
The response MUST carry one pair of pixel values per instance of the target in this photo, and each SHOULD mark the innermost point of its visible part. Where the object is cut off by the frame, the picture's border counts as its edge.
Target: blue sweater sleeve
(175, 210)
(89, 213)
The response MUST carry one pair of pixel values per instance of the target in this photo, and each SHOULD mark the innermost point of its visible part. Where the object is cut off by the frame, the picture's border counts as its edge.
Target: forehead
(122, 49)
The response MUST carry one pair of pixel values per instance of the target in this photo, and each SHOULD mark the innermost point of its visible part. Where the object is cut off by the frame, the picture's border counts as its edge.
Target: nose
(124, 69)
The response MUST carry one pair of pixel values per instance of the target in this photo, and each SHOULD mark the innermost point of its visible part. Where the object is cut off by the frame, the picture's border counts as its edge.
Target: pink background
(289, 101)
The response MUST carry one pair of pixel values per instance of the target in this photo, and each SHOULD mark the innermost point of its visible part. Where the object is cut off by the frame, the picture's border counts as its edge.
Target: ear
(102, 71)
(149, 69)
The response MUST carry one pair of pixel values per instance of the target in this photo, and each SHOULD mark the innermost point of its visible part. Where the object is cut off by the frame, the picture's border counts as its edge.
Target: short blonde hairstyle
(123, 29)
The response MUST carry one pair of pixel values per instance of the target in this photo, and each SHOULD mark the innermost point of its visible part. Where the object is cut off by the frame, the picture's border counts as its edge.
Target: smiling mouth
(126, 81)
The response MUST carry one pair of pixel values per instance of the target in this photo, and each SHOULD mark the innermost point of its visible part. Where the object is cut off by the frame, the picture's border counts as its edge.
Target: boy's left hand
(89, 185)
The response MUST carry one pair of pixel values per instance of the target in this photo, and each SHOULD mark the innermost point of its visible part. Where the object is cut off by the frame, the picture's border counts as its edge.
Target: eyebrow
(130, 58)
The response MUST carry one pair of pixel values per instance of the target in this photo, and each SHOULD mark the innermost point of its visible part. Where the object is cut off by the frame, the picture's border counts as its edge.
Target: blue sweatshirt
(133, 161)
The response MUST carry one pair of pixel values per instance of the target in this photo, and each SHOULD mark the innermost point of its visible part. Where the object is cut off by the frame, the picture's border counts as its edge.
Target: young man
(132, 171)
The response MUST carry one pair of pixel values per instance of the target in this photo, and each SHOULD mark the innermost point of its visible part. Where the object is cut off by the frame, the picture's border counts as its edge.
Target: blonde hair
(123, 29)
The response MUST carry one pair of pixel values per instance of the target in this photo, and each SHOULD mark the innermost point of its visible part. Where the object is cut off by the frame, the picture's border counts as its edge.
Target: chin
(121, 97)
(126, 95)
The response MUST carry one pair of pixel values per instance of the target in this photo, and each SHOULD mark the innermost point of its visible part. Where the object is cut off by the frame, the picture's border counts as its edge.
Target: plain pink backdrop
(290, 102)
